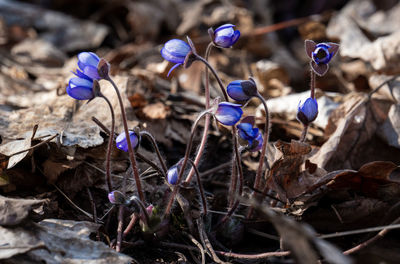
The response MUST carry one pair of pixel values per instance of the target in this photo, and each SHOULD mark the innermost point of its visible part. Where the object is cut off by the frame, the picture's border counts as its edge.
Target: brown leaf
(155, 111)
(355, 128)
(285, 171)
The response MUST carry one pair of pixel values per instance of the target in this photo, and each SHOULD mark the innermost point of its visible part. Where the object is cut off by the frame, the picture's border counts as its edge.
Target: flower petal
(223, 27)
(88, 58)
(80, 89)
(170, 57)
(177, 48)
(122, 143)
(91, 72)
(173, 68)
(228, 113)
(235, 91)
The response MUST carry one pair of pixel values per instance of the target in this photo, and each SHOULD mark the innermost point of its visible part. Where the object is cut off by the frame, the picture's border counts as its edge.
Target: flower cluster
(81, 86)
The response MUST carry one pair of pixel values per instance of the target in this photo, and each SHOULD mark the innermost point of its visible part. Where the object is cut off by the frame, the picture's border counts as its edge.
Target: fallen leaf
(14, 211)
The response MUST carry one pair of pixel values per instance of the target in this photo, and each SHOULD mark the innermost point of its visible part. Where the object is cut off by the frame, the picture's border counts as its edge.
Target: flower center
(321, 54)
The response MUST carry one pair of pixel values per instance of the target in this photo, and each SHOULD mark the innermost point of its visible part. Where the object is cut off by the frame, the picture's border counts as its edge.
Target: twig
(197, 243)
(206, 242)
(360, 231)
(35, 146)
(94, 211)
(380, 235)
(73, 204)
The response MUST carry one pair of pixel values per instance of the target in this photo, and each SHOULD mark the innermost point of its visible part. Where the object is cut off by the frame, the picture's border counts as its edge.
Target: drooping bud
(308, 111)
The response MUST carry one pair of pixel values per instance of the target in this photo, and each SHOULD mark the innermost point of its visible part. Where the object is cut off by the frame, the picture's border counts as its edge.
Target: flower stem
(257, 180)
(184, 162)
(304, 134)
(312, 95)
(208, 117)
(137, 201)
(232, 185)
(109, 146)
(221, 86)
(155, 146)
(312, 84)
(203, 198)
(130, 149)
(238, 164)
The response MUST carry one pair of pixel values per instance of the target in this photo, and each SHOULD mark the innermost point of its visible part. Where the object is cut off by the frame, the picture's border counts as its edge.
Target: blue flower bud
(246, 131)
(256, 144)
(173, 173)
(116, 197)
(175, 51)
(308, 111)
(122, 143)
(88, 62)
(80, 88)
(241, 90)
(225, 36)
(228, 113)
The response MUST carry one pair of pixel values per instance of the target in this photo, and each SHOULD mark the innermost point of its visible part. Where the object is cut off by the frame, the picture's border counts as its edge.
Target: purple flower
(116, 197)
(242, 90)
(80, 88)
(251, 135)
(175, 51)
(256, 144)
(173, 173)
(308, 111)
(225, 36)
(246, 131)
(228, 113)
(87, 63)
(122, 143)
(321, 54)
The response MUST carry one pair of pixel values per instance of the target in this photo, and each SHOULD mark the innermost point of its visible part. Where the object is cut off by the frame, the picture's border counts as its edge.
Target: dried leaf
(14, 211)
(63, 241)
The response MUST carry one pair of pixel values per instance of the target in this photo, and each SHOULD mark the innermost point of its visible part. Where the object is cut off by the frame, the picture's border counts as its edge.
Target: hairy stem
(208, 117)
(304, 133)
(238, 166)
(312, 95)
(261, 161)
(184, 162)
(203, 197)
(130, 149)
(109, 146)
(221, 86)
